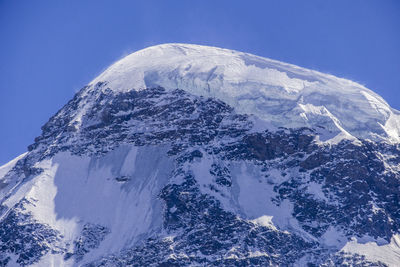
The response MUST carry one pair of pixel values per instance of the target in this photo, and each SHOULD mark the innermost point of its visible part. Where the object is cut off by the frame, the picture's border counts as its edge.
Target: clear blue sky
(50, 49)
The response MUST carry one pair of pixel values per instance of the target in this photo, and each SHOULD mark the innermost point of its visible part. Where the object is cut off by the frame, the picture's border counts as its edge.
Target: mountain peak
(281, 94)
(152, 164)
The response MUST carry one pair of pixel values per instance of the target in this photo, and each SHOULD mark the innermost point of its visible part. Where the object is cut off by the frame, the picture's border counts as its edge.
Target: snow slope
(284, 94)
(74, 191)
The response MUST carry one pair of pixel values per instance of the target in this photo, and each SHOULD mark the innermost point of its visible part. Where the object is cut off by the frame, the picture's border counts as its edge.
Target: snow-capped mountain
(186, 155)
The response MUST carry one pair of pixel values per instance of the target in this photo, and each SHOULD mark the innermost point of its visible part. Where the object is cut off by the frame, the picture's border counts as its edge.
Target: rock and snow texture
(185, 155)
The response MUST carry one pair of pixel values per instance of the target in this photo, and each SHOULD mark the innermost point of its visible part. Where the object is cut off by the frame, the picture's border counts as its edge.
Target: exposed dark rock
(351, 187)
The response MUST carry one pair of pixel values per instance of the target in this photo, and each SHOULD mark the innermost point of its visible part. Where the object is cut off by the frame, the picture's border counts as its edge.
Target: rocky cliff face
(166, 176)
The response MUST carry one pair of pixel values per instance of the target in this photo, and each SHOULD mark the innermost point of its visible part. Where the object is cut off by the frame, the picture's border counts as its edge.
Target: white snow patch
(252, 196)
(388, 254)
(265, 221)
(316, 189)
(255, 254)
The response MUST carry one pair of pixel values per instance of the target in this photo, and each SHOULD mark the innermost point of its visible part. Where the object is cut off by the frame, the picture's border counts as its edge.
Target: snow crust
(282, 94)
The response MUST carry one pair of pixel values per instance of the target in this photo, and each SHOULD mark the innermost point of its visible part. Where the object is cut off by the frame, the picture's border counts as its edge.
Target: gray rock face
(353, 188)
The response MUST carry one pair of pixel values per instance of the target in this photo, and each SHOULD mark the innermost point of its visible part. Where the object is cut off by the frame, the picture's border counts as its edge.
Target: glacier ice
(279, 93)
